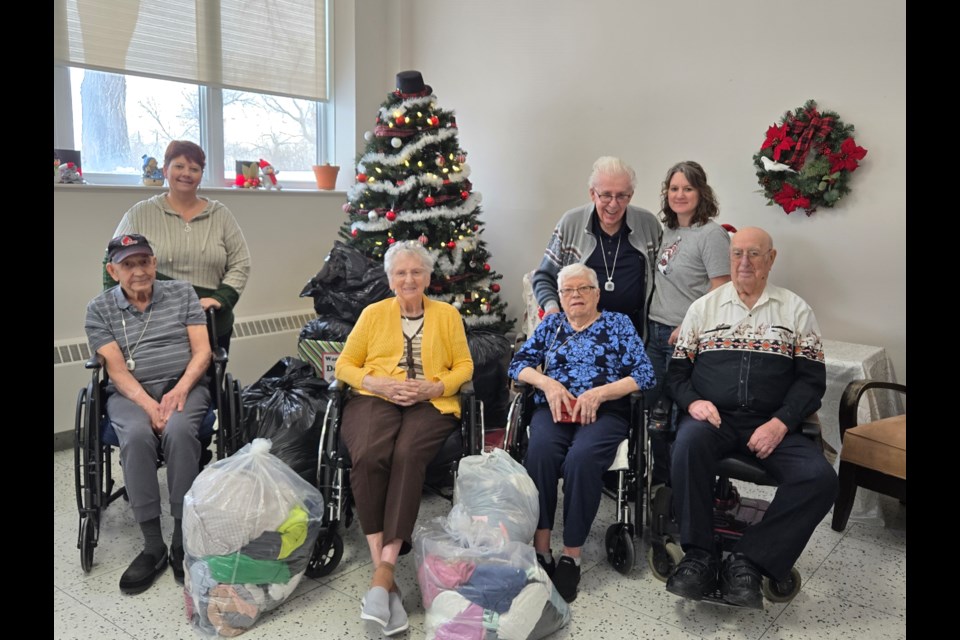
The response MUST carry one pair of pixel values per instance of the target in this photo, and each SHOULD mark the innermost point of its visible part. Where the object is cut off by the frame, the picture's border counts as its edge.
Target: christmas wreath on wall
(806, 161)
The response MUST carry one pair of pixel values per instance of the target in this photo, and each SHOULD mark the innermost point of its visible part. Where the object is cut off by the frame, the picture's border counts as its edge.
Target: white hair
(409, 247)
(613, 167)
(577, 270)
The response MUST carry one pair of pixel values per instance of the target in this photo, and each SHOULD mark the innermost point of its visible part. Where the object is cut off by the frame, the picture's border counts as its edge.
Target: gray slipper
(376, 606)
(398, 616)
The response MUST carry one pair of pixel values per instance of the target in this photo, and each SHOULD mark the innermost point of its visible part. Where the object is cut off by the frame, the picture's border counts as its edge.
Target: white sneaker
(375, 606)
(398, 616)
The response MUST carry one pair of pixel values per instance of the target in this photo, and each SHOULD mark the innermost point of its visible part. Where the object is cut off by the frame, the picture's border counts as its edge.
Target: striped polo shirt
(157, 338)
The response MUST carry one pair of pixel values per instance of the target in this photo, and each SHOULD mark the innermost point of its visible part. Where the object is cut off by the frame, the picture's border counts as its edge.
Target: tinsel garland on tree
(412, 183)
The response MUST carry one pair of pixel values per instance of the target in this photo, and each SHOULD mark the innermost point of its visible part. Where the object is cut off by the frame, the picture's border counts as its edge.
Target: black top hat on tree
(410, 85)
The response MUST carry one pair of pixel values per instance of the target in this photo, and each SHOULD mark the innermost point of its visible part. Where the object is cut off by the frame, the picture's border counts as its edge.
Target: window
(246, 79)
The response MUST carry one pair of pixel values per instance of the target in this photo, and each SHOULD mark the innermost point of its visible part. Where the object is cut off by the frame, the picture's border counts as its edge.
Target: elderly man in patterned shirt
(747, 369)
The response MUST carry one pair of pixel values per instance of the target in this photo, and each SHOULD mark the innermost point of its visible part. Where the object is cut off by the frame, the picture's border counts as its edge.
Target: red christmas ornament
(423, 239)
(476, 227)
(446, 181)
(441, 161)
(391, 215)
(495, 288)
(361, 177)
(486, 267)
(461, 158)
(451, 244)
(400, 120)
(464, 194)
(429, 200)
(391, 240)
(353, 232)
(434, 120)
(399, 183)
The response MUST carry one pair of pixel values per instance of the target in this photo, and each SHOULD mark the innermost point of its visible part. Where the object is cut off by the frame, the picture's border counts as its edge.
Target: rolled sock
(383, 576)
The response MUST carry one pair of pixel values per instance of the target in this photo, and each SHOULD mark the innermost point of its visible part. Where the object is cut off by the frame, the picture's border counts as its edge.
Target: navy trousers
(806, 491)
(580, 454)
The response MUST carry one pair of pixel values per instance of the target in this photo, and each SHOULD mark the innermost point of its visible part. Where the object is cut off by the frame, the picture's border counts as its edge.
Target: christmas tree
(413, 183)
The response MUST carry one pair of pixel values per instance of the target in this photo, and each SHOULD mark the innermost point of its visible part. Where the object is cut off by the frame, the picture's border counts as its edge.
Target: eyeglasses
(584, 290)
(752, 254)
(605, 198)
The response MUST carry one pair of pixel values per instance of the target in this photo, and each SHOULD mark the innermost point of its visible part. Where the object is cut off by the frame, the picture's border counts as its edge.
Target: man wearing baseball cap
(152, 338)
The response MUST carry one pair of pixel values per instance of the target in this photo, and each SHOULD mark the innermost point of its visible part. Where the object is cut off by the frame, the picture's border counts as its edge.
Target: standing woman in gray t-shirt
(694, 258)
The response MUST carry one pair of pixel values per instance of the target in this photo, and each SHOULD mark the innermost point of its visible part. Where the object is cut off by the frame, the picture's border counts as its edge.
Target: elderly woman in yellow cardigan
(407, 357)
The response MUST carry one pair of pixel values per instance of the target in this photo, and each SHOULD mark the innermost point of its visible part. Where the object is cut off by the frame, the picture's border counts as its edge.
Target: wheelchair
(95, 438)
(626, 481)
(732, 513)
(333, 470)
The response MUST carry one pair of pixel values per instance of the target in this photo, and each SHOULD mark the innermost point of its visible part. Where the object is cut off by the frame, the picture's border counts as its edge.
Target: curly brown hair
(191, 150)
(707, 206)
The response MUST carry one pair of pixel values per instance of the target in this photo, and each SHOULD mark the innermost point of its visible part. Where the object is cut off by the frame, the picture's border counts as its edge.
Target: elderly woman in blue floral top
(591, 361)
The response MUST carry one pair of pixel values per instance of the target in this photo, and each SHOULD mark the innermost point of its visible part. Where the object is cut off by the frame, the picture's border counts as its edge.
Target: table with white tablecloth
(845, 362)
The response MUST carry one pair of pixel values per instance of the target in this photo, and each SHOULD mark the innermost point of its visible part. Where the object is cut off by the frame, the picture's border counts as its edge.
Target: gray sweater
(573, 241)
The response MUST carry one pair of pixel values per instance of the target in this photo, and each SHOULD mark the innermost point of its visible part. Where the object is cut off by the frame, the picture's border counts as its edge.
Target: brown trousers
(390, 447)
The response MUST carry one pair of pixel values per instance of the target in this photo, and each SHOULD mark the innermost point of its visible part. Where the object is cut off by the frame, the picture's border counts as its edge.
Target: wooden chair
(873, 455)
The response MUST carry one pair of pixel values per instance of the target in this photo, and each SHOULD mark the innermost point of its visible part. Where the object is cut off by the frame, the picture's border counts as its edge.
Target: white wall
(543, 87)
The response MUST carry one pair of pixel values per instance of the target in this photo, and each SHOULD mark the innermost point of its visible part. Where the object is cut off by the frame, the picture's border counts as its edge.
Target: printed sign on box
(322, 354)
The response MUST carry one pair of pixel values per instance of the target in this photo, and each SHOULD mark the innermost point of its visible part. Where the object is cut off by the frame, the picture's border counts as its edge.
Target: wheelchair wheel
(620, 551)
(327, 552)
(87, 542)
(663, 560)
(783, 591)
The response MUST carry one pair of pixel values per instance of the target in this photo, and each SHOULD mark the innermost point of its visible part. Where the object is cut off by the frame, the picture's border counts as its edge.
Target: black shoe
(566, 577)
(176, 563)
(142, 572)
(549, 567)
(695, 576)
(740, 582)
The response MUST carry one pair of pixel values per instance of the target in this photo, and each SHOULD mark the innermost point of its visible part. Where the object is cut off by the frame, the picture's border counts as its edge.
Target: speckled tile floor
(854, 586)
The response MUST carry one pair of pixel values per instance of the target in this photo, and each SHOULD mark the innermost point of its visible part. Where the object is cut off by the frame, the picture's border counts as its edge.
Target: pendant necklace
(609, 285)
(131, 363)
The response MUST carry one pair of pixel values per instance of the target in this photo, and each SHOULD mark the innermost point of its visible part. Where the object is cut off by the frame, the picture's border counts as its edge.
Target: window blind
(266, 46)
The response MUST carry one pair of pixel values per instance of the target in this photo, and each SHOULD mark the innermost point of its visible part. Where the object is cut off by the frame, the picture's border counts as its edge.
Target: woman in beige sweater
(195, 239)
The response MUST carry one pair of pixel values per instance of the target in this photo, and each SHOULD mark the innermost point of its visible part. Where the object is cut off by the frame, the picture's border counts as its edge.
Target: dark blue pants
(807, 489)
(660, 353)
(580, 454)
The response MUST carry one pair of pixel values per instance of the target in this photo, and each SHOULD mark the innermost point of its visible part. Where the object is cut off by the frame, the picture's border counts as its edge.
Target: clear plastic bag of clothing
(478, 574)
(495, 488)
(249, 528)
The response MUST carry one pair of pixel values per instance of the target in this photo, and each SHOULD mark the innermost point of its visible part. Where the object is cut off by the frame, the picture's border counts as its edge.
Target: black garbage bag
(287, 405)
(326, 329)
(347, 283)
(489, 351)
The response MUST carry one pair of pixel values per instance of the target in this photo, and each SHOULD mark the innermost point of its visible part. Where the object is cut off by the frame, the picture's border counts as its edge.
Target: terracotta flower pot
(326, 176)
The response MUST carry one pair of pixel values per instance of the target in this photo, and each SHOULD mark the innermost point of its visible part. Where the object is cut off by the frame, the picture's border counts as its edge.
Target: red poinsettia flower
(778, 139)
(791, 199)
(848, 157)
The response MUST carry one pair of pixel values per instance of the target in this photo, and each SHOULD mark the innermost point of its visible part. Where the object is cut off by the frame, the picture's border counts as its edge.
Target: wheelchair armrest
(96, 361)
(851, 399)
(810, 426)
